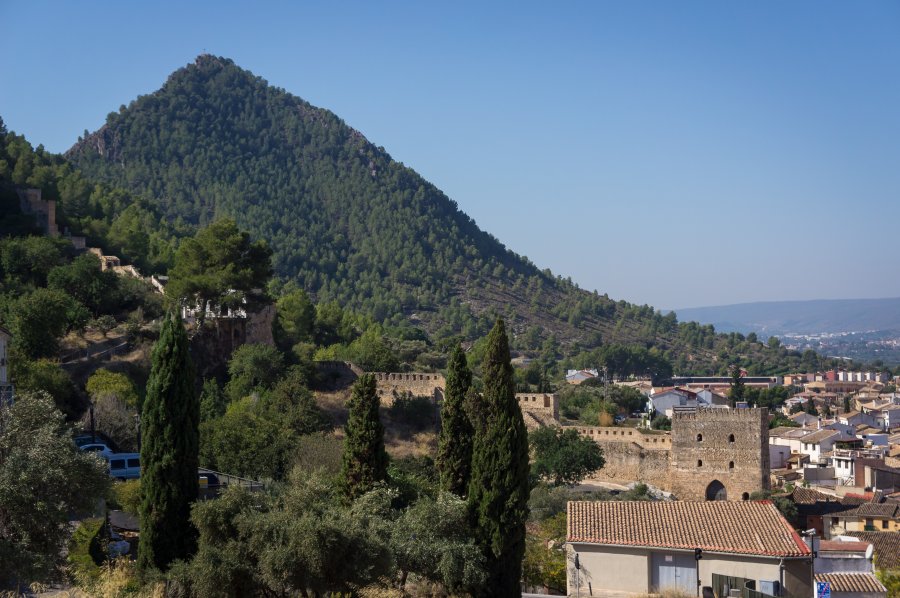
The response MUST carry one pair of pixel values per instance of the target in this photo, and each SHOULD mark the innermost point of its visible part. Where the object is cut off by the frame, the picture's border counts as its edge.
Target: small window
(835, 521)
(745, 496)
(699, 463)
(884, 524)
(117, 464)
(134, 463)
(699, 437)
(731, 438)
(731, 465)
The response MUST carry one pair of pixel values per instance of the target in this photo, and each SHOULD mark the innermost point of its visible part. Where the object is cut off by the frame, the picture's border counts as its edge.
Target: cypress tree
(364, 460)
(498, 490)
(454, 456)
(169, 451)
(737, 385)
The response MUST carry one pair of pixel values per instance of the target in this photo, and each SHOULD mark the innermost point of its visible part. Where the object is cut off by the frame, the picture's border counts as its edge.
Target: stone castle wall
(390, 384)
(631, 462)
(341, 367)
(259, 325)
(728, 446)
(653, 442)
(43, 210)
(544, 406)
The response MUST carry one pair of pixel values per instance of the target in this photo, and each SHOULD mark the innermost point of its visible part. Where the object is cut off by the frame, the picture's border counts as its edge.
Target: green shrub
(127, 495)
(86, 552)
(416, 412)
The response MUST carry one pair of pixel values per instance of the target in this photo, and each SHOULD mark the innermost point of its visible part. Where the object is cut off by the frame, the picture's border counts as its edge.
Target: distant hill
(349, 224)
(773, 318)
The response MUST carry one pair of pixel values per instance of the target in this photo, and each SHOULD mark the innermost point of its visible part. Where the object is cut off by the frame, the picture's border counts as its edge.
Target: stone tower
(719, 454)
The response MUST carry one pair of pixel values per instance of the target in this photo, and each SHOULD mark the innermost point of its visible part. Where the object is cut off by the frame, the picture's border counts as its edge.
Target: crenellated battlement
(417, 384)
(544, 405)
(611, 434)
(408, 377)
(724, 415)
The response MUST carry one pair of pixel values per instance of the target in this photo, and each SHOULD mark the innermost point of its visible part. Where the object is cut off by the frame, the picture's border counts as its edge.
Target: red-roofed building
(645, 547)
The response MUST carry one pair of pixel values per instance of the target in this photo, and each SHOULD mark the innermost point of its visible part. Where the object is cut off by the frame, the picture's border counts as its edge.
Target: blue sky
(676, 154)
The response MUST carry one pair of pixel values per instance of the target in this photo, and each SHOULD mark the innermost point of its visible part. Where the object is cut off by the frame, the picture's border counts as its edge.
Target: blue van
(125, 466)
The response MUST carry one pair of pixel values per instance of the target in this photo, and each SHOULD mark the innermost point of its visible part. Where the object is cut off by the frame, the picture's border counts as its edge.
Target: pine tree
(498, 490)
(454, 456)
(169, 453)
(365, 460)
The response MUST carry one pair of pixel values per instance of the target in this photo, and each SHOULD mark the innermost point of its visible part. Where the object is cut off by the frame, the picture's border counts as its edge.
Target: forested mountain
(349, 224)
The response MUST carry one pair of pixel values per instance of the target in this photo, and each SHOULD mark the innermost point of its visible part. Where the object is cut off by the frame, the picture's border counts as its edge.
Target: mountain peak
(345, 221)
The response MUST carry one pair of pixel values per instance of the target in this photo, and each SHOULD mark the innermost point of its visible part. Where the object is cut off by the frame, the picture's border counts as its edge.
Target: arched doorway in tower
(716, 491)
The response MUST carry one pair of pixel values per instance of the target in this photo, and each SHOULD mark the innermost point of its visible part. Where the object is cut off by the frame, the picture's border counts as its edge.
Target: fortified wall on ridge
(392, 384)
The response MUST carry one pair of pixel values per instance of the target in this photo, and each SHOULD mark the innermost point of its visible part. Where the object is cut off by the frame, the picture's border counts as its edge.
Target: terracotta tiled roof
(782, 431)
(746, 527)
(817, 437)
(878, 510)
(852, 582)
(887, 547)
(859, 498)
(882, 510)
(808, 496)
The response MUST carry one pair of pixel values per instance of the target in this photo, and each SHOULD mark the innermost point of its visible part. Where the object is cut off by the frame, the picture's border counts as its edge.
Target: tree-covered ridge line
(348, 224)
(119, 222)
(408, 259)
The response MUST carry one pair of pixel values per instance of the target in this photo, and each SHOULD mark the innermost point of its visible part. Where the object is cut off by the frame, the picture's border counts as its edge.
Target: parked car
(99, 448)
(86, 438)
(83, 439)
(125, 466)
(619, 419)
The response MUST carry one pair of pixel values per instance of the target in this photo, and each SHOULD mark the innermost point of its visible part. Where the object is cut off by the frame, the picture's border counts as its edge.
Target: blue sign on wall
(823, 589)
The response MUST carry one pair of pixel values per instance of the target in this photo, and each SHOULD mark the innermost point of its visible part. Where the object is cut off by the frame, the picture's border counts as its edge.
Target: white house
(843, 554)
(823, 441)
(784, 442)
(854, 418)
(805, 419)
(579, 376)
(889, 417)
(665, 401)
(708, 398)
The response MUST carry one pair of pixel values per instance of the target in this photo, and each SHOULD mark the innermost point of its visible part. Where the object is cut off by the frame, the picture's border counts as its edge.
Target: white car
(98, 448)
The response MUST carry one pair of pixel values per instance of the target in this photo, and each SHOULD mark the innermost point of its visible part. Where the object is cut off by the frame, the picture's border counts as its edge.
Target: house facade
(867, 517)
(645, 547)
(666, 401)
